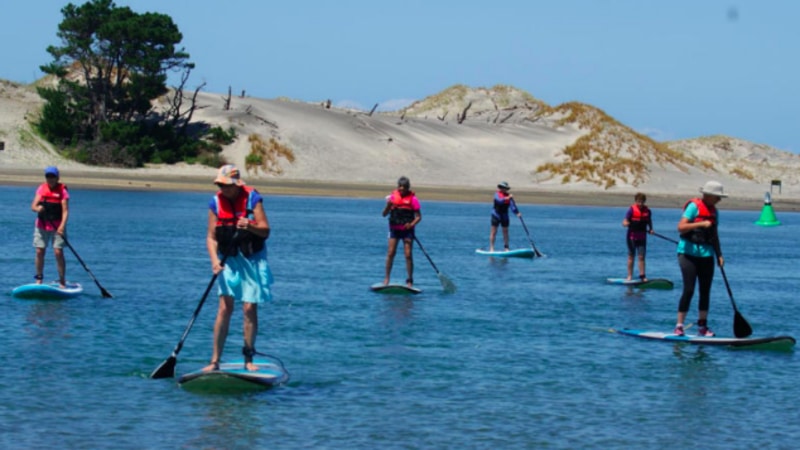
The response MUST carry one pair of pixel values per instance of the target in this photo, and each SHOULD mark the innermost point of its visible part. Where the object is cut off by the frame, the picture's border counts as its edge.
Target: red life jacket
(402, 208)
(228, 214)
(704, 212)
(51, 200)
(639, 218)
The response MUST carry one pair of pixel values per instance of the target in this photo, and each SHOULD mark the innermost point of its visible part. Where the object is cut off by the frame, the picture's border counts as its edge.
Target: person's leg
(221, 325)
(641, 249)
(390, 259)
(39, 264)
(250, 332)
(492, 237)
(61, 265)
(505, 237)
(689, 276)
(408, 246)
(631, 255)
(705, 278)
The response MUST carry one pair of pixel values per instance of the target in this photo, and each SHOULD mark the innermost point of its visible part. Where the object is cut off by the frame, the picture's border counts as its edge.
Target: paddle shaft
(527, 233)
(665, 238)
(426, 254)
(103, 290)
(741, 328)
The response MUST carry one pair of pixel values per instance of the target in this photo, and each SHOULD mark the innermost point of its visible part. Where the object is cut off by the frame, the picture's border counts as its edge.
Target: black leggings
(700, 269)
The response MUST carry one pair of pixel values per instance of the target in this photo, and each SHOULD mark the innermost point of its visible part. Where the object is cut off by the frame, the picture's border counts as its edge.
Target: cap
(713, 188)
(51, 170)
(503, 185)
(228, 174)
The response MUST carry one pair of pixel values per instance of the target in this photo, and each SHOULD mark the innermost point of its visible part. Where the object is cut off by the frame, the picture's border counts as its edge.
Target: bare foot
(251, 366)
(214, 365)
(385, 281)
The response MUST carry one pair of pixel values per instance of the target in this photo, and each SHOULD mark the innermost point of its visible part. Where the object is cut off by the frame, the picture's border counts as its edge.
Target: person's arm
(36, 205)
(417, 219)
(388, 206)
(62, 227)
(259, 225)
(211, 242)
(513, 205)
(626, 221)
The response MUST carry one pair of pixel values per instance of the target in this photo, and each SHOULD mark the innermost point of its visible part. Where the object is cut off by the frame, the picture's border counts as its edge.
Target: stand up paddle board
(49, 291)
(782, 343)
(232, 377)
(516, 253)
(652, 283)
(396, 289)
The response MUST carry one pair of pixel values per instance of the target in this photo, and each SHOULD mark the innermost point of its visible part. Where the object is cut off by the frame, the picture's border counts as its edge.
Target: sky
(674, 69)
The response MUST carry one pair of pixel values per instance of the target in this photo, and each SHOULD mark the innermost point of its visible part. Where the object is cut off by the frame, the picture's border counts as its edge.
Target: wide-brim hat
(503, 185)
(228, 174)
(713, 188)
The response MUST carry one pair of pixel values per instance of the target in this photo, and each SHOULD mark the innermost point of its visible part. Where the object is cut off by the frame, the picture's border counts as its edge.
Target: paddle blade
(448, 286)
(741, 329)
(166, 369)
(105, 293)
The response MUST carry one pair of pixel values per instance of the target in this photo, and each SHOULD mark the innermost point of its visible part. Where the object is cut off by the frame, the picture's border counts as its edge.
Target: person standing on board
(51, 204)
(403, 209)
(639, 221)
(503, 201)
(238, 227)
(697, 250)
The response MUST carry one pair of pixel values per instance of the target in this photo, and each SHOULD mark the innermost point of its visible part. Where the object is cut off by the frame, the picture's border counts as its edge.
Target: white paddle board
(397, 289)
(232, 377)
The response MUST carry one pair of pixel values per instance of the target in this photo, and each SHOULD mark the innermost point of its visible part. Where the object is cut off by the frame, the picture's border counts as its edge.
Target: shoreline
(116, 179)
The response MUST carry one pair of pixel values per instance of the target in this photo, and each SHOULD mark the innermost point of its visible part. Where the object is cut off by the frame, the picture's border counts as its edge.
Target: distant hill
(461, 136)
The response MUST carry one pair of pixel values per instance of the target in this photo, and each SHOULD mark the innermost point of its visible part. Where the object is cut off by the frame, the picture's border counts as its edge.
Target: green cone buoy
(767, 218)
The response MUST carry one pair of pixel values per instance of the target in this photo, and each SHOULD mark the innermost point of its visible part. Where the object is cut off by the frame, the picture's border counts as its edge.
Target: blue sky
(670, 69)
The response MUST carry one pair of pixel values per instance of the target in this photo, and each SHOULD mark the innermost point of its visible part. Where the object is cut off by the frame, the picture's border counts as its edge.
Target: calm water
(517, 358)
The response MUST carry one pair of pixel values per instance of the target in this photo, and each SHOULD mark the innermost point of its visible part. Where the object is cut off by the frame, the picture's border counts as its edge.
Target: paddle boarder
(697, 248)
(639, 221)
(238, 227)
(403, 209)
(503, 201)
(51, 205)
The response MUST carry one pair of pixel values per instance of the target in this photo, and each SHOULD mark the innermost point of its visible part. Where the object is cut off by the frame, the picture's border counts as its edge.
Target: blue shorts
(401, 234)
(246, 279)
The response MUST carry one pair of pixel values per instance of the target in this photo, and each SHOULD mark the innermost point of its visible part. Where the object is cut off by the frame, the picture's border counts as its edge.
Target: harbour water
(519, 357)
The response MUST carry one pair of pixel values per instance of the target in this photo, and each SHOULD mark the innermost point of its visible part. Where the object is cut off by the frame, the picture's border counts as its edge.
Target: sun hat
(228, 174)
(713, 188)
(503, 185)
(51, 170)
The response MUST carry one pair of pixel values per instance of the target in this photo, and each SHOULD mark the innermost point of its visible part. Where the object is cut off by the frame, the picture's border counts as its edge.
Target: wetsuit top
(502, 202)
(50, 218)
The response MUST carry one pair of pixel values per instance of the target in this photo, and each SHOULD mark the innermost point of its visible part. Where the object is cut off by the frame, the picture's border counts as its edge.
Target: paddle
(103, 290)
(741, 329)
(447, 285)
(666, 238)
(167, 368)
(533, 246)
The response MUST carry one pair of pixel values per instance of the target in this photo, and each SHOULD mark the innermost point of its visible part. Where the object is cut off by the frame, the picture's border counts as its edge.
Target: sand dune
(353, 148)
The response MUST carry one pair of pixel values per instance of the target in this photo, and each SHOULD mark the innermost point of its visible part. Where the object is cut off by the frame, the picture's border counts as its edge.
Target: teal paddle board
(232, 377)
(47, 291)
(396, 289)
(516, 253)
(652, 283)
(781, 343)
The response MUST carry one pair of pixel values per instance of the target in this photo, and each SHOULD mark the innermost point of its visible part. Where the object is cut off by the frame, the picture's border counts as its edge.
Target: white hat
(713, 188)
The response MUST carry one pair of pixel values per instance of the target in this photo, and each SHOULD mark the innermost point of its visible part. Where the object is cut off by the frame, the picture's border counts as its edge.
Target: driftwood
(507, 117)
(373, 109)
(442, 118)
(227, 105)
(463, 114)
